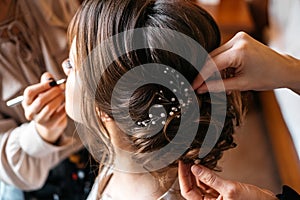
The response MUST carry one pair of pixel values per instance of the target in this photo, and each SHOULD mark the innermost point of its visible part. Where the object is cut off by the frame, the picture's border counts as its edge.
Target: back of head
(137, 61)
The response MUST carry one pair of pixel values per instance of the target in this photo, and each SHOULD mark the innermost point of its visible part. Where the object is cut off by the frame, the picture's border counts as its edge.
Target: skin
(216, 187)
(192, 183)
(45, 106)
(72, 85)
(250, 73)
(143, 185)
(197, 181)
(256, 67)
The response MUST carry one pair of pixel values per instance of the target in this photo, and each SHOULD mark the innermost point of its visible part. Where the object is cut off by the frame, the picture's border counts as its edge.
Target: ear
(102, 118)
(102, 115)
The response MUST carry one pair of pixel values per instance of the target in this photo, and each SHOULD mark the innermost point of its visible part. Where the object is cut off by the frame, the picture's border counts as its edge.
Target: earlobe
(98, 112)
(105, 117)
(102, 115)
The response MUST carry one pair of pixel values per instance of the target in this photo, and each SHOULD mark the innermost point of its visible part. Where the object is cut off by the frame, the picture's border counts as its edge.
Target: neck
(124, 162)
(143, 186)
(130, 178)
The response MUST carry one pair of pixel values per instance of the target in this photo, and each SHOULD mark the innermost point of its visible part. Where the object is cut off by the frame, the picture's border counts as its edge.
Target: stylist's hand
(255, 66)
(226, 190)
(45, 105)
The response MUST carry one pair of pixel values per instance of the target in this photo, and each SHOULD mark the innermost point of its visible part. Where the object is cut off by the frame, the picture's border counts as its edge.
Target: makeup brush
(19, 99)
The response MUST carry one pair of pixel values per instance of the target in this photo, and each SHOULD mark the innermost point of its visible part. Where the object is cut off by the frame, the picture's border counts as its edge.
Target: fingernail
(52, 83)
(201, 91)
(194, 87)
(196, 169)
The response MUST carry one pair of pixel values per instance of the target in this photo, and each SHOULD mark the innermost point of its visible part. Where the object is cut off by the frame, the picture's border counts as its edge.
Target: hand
(255, 66)
(45, 105)
(226, 190)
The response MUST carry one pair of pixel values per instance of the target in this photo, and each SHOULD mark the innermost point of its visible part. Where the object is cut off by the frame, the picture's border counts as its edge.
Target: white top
(172, 194)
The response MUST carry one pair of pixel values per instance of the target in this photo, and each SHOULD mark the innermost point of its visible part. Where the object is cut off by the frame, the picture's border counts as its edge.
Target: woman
(130, 93)
(36, 138)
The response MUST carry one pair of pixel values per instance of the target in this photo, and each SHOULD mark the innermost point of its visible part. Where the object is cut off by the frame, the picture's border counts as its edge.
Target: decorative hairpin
(177, 87)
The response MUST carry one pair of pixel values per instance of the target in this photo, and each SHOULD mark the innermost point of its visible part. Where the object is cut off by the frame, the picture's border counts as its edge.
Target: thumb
(209, 178)
(46, 77)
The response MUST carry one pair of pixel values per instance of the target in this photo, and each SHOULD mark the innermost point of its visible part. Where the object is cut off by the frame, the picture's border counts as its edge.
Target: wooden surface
(231, 16)
(283, 147)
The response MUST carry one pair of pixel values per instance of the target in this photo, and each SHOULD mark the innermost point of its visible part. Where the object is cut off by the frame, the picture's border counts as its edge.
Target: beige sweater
(31, 42)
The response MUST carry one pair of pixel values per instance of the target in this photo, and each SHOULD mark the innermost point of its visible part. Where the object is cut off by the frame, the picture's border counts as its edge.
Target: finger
(55, 126)
(208, 191)
(202, 186)
(60, 118)
(41, 100)
(212, 86)
(214, 64)
(57, 121)
(223, 48)
(221, 58)
(229, 84)
(62, 106)
(209, 178)
(188, 187)
(184, 176)
(46, 77)
(209, 197)
(228, 45)
(49, 109)
(31, 92)
(212, 192)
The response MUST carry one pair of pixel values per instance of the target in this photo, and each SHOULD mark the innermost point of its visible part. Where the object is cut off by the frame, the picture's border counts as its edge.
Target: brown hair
(98, 20)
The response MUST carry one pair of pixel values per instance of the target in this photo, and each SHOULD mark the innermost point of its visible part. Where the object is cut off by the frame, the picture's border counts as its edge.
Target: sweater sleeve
(25, 158)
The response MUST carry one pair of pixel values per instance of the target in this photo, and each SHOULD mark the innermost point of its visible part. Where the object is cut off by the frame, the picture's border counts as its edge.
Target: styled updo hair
(97, 21)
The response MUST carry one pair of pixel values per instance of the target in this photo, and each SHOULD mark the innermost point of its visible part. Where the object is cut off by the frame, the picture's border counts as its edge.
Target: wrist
(47, 136)
(292, 74)
(262, 194)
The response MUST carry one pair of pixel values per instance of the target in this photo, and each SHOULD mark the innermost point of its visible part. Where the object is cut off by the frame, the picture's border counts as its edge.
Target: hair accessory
(197, 161)
(174, 105)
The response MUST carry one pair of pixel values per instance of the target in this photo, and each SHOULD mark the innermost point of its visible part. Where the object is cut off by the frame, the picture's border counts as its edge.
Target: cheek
(73, 97)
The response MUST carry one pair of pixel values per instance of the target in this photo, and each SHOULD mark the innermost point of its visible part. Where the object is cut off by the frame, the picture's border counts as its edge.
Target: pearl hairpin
(178, 88)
